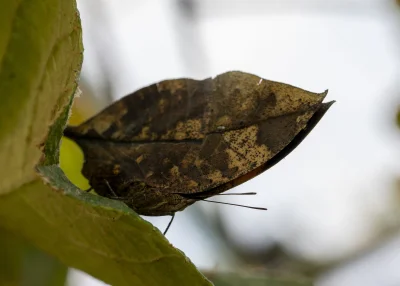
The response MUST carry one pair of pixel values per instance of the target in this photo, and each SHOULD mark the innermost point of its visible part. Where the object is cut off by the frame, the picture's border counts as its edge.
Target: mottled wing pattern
(195, 138)
(169, 110)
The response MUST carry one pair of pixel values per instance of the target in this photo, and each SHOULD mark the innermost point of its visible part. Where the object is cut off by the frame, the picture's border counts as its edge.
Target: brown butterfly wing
(190, 137)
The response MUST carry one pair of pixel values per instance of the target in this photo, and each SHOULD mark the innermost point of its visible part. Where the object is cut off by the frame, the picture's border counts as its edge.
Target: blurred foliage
(22, 264)
(71, 161)
(235, 279)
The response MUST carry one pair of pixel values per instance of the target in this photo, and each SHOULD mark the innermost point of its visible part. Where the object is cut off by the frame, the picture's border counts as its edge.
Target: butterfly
(176, 142)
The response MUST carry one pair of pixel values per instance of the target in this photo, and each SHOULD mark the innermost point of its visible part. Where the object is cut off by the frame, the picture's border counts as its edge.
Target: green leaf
(41, 56)
(100, 236)
(23, 264)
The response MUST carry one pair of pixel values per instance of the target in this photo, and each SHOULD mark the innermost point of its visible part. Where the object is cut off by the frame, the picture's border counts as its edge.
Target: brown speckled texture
(165, 146)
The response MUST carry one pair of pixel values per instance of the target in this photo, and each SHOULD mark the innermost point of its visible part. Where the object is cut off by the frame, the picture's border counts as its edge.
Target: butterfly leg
(169, 224)
(114, 196)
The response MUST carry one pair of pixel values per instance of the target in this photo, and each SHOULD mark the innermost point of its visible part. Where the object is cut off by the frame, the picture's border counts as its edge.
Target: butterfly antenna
(230, 204)
(200, 197)
(169, 224)
(236, 194)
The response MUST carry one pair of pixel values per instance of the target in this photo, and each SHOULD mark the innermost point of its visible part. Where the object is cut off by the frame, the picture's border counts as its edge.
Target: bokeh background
(333, 203)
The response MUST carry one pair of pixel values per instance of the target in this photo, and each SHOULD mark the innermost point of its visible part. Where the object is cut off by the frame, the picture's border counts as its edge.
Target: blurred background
(334, 203)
